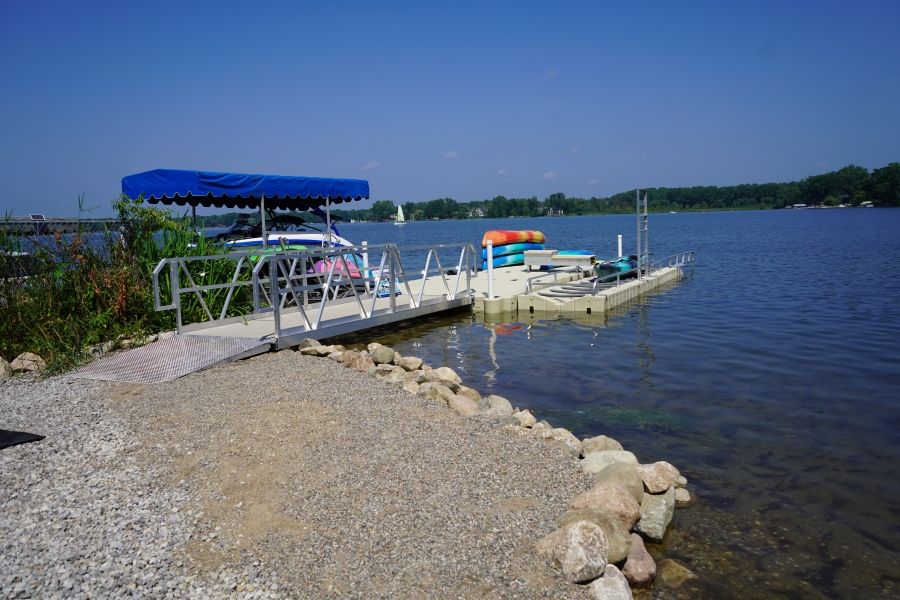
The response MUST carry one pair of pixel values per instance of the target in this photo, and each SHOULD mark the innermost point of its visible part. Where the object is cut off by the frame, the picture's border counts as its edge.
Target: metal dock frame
(347, 297)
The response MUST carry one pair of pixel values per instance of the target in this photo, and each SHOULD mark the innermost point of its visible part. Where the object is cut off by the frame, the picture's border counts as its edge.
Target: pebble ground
(280, 476)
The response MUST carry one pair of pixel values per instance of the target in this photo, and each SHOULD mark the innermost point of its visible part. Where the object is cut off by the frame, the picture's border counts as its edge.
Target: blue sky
(428, 100)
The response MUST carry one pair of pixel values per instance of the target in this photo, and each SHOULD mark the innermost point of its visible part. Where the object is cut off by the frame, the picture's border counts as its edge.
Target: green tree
(885, 185)
(383, 209)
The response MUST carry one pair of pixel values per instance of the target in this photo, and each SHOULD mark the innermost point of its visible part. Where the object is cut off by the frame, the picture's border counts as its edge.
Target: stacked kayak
(509, 246)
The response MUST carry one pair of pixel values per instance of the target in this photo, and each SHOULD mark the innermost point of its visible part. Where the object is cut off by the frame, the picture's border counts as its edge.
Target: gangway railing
(309, 281)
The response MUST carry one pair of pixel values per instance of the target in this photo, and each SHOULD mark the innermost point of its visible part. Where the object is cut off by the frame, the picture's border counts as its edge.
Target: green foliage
(86, 289)
(885, 185)
(383, 209)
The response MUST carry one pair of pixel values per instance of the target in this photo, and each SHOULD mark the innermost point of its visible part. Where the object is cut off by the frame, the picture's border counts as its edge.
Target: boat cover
(237, 190)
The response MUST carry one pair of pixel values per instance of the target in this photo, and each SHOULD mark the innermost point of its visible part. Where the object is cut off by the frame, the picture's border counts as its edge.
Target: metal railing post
(276, 294)
(176, 292)
(392, 291)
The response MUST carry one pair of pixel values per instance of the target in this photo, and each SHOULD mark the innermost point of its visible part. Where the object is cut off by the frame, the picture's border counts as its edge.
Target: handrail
(529, 283)
(343, 278)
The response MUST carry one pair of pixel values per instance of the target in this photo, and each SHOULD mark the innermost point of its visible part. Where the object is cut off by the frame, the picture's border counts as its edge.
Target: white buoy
(490, 266)
(620, 245)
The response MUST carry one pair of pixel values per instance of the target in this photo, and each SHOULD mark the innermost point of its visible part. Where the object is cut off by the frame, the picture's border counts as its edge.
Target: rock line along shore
(291, 475)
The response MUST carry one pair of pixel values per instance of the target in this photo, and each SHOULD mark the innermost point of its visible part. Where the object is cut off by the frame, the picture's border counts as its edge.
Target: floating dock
(510, 295)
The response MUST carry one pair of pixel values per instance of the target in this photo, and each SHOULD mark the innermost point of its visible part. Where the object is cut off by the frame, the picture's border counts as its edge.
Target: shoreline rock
(612, 498)
(656, 514)
(579, 550)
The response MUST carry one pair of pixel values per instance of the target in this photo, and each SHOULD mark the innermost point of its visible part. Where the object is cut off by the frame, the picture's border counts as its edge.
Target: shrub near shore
(88, 289)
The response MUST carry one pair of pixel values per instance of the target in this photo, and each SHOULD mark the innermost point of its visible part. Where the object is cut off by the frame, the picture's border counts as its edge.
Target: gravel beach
(279, 476)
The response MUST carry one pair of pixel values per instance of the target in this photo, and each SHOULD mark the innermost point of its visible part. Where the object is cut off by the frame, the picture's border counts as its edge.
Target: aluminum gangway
(315, 293)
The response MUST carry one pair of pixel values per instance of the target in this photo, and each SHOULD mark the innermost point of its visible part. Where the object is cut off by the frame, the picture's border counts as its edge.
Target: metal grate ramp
(172, 358)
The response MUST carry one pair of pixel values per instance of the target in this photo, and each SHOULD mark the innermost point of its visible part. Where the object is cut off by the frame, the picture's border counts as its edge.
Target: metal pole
(174, 275)
(276, 295)
(490, 268)
(638, 221)
(647, 233)
(620, 245)
(328, 219)
(194, 218)
(262, 216)
(393, 295)
(365, 272)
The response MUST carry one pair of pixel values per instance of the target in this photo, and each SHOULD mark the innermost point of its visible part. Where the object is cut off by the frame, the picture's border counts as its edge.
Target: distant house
(476, 213)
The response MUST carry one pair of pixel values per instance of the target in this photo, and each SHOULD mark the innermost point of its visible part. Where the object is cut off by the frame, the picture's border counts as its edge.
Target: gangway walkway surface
(171, 358)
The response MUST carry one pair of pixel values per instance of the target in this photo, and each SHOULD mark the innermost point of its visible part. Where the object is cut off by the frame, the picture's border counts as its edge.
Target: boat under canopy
(242, 191)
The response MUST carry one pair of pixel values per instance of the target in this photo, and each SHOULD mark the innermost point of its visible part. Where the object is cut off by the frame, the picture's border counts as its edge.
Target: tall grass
(84, 289)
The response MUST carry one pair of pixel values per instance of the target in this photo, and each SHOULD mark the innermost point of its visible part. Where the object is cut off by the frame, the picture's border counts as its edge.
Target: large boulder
(673, 575)
(5, 369)
(683, 498)
(526, 419)
(364, 363)
(470, 392)
(337, 356)
(612, 498)
(578, 549)
(382, 355)
(371, 347)
(496, 403)
(436, 391)
(543, 430)
(618, 538)
(463, 405)
(27, 362)
(640, 568)
(625, 475)
(658, 477)
(411, 386)
(612, 586)
(309, 343)
(597, 461)
(564, 436)
(410, 363)
(444, 373)
(600, 443)
(656, 514)
(349, 358)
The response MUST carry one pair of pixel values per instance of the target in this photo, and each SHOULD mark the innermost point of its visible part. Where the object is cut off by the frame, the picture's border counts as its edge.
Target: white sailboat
(400, 220)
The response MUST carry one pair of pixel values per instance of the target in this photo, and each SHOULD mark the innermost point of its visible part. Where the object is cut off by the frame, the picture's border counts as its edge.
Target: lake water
(770, 376)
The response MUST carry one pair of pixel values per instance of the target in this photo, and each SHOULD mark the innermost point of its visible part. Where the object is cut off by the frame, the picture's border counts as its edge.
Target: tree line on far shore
(851, 185)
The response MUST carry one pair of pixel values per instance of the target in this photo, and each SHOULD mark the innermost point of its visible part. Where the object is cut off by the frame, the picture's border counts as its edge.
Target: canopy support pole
(194, 217)
(262, 216)
(328, 219)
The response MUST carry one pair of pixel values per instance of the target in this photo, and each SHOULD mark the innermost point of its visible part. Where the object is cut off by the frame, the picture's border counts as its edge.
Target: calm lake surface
(770, 376)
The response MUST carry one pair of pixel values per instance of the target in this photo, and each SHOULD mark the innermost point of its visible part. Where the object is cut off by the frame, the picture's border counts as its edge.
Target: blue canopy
(236, 190)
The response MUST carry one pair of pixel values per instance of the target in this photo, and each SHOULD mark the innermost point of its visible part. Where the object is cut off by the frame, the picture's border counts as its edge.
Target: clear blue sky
(429, 100)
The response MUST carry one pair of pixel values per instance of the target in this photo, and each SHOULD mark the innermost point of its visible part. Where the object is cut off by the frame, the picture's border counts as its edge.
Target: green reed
(85, 289)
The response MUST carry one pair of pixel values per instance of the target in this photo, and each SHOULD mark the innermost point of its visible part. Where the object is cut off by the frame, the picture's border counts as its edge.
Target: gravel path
(280, 476)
